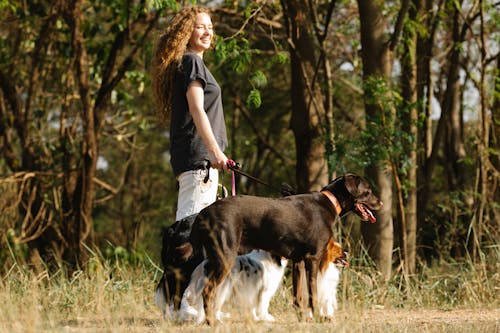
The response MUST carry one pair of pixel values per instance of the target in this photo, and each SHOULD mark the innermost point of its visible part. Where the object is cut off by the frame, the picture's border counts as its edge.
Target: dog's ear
(184, 251)
(332, 253)
(336, 251)
(360, 188)
(278, 260)
(351, 183)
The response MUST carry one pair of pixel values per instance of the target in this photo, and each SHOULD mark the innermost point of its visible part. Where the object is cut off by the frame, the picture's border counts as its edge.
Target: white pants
(194, 193)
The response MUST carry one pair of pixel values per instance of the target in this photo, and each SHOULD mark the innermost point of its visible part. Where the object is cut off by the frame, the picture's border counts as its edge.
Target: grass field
(118, 297)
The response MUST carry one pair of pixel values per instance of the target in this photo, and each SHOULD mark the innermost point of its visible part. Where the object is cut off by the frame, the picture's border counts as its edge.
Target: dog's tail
(287, 190)
(194, 247)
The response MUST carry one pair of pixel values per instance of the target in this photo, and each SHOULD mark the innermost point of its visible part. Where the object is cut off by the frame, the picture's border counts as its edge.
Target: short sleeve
(193, 69)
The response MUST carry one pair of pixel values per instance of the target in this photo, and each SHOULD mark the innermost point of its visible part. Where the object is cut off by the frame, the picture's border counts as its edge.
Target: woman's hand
(218, 160)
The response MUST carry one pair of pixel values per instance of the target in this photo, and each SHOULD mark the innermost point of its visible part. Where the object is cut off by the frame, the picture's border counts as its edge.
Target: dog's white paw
(222, 315)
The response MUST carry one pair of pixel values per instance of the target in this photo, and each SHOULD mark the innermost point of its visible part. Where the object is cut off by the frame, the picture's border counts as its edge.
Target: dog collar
(333, 200)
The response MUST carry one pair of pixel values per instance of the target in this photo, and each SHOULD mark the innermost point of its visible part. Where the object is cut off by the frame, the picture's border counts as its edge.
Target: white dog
(252, 282)
(328, 280)
(327, 291)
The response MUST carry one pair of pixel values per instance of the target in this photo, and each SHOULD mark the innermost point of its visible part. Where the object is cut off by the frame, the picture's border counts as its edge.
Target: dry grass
(118, 298)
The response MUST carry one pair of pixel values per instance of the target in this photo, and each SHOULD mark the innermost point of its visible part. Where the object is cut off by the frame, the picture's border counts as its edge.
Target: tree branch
(405, 6)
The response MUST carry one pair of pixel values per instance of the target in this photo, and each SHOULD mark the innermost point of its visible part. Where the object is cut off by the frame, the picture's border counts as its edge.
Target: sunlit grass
(118, 297)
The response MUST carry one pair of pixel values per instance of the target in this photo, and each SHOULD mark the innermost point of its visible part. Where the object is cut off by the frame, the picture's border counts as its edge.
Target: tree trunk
(494, 143)
(409, 120)
(308, 109)
(379, 236)
(453, 143)
(79, 184)
(377, 62)
(486, 222)
(425, 93)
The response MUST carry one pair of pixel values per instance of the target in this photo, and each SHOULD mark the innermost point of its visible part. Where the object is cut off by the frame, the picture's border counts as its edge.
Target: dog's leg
(300, 294)
(223, 293)
(161, 297)
(176, 278)
(263, 305)
(192, 301)
(312, 284)
(217, 269)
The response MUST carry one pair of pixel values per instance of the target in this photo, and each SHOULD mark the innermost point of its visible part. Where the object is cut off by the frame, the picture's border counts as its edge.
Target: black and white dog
(176, 270)
(252, 282)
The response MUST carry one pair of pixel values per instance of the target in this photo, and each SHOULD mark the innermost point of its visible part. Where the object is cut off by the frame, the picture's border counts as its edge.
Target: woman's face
(202, 35)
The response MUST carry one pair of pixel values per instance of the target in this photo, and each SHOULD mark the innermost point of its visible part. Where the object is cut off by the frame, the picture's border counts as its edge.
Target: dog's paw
(222, 315)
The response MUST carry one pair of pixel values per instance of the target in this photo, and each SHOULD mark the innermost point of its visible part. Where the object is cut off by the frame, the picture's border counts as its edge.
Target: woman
(188, 95)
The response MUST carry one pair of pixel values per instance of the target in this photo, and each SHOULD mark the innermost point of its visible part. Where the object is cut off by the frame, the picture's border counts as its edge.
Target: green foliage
(235, 51)
(281, 58)
(381, 138)
(8, 4)
(12, 250)
(258, 79)
(254, 100)
(164, 4)
(118, 255)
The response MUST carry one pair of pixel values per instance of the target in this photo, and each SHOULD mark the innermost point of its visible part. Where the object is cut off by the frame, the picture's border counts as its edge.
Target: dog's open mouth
(365, 213)
(342, 261)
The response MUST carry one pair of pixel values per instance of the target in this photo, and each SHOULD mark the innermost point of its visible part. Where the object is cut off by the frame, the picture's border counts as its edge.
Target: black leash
(234, 166)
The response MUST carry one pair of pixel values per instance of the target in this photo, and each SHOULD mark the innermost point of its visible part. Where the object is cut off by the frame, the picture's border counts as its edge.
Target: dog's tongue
(344, 262)
(366, 213)
(371, 217)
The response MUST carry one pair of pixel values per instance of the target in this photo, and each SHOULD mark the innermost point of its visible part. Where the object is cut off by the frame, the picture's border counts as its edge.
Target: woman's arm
(195, 100)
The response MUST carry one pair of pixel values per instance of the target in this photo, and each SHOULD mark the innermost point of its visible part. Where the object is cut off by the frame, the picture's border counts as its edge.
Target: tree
(311, 107)
(308, 101)
(62, 48)
(408, 204)
(377, 55)
(465, 58)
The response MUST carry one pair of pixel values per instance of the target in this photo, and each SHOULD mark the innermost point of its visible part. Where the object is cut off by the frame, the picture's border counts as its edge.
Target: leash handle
(232, 165)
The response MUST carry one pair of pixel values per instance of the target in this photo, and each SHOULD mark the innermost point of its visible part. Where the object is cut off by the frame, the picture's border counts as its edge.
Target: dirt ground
(426, 320)
(376, 320)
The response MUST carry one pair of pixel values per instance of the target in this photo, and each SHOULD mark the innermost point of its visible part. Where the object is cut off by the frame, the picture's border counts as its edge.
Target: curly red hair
(170, 48)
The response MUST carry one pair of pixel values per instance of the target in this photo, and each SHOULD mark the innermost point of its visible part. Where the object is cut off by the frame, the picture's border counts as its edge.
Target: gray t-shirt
(187, 150)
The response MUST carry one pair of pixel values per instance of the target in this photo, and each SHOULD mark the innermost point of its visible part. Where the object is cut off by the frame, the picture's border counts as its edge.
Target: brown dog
(297, 227)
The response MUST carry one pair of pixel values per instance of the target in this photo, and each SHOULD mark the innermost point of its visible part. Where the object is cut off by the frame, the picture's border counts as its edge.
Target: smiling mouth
(365, 213)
